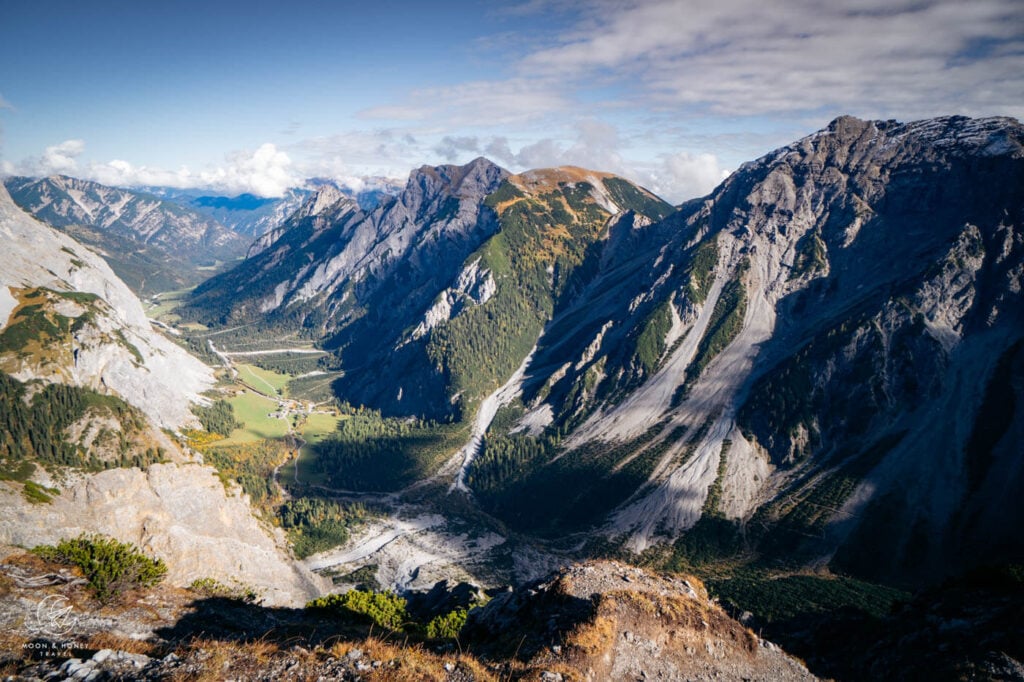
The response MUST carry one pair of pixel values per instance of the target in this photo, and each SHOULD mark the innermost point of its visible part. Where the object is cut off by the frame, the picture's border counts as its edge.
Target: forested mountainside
(67, 319)
(153, 245)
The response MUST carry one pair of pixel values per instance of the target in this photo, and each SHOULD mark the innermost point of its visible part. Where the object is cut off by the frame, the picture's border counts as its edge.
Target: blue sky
(258, 96)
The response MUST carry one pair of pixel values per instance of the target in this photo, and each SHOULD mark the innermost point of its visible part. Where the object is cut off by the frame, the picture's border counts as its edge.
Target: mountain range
(252, 216)
(152, 244)
(816, 359)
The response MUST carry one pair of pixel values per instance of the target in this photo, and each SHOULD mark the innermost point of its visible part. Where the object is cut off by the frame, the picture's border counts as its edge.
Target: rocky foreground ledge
(604, 620)
(593, 621)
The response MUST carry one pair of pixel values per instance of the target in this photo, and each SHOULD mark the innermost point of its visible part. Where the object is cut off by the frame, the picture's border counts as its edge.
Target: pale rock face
(391, 232)
(440, 312)
(324, 205)
(7, 305)
(946, 298)
(590, 352)
(166, 381)
(179, 513)
(473, 287)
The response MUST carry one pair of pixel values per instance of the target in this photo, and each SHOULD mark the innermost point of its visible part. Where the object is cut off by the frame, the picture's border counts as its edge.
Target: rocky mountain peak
(472, 180)
(152, 244)
(324, 199)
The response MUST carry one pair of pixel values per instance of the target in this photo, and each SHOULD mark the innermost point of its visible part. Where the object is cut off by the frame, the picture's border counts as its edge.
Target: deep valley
(507, 425)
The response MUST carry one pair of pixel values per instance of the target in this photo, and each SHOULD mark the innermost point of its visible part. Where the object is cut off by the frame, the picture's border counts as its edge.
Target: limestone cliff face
(180, 513)
(109, 344)
(330, 246)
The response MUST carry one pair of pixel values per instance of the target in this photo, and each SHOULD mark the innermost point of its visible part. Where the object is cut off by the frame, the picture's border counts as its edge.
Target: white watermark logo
(54, 616)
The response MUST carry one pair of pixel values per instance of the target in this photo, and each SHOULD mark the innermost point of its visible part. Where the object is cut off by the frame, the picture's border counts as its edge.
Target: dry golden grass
(31, 562)
(216, 662)
(548, 179)
(593, 637)
(109, 640)
(401, 661)
(12, 644)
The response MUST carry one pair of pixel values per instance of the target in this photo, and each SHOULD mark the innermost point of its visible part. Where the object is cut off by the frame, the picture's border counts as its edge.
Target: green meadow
(252, 410)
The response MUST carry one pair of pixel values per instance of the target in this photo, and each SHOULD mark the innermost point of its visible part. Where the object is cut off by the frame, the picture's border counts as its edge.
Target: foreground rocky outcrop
(609, 621)
(179, 513)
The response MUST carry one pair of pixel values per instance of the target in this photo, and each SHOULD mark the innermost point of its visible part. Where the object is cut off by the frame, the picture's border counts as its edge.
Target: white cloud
(122, 173)
(493, 103)
(777, 68)
(685, 175)
(61, 158)
(596, 146)
(599, 145)
(898, 57)
(383, 151)
(350, 158)
(266, 172)
(450, 148)
(56, 159)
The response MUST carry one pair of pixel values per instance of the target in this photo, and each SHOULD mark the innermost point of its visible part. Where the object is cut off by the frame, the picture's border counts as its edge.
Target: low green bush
(448, 625)
(110, 566)
(211, 587)
(386, 609)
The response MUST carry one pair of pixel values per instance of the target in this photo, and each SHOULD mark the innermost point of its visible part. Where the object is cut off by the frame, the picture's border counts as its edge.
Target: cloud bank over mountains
(266, 171)
(668, 93)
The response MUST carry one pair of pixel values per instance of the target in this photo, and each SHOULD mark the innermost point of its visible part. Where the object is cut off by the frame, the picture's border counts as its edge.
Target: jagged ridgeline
(153, 245)
(433, 299)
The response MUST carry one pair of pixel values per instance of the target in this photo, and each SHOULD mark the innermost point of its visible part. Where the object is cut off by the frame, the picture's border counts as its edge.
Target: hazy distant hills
(162, 238)
(823, 355)
(152, 244)
(247, 214)
(254, 216)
